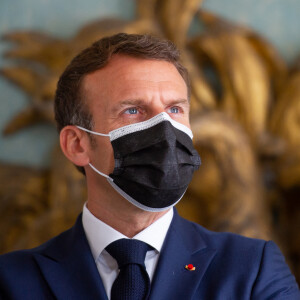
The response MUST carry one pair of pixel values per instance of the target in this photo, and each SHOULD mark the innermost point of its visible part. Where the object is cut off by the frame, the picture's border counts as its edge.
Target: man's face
(130, 90)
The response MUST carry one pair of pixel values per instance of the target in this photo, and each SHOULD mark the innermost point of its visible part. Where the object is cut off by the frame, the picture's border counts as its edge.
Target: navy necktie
(133, 282)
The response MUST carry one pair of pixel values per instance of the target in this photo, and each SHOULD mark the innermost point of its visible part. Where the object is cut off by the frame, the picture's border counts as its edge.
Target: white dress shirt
(100, 235)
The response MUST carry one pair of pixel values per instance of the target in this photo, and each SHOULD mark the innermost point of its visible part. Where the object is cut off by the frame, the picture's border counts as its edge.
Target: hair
(69, 105)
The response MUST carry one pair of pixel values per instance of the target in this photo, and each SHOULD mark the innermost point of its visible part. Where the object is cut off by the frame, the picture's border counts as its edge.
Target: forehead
(124, 67)
(126, 77)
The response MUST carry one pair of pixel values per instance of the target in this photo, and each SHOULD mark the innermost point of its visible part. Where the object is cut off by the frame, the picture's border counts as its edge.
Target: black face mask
(154, 162)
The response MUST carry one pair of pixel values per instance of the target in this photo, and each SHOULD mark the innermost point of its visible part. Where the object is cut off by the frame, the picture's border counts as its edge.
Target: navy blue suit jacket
(227, 266)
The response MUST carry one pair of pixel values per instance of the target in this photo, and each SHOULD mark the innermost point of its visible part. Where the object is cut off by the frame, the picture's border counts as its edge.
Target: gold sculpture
(245, 112)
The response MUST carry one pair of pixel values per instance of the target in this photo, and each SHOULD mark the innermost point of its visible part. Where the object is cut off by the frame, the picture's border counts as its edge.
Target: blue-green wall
(278, 20)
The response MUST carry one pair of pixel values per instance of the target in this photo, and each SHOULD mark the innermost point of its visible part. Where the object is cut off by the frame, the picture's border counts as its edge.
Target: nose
(156, 109)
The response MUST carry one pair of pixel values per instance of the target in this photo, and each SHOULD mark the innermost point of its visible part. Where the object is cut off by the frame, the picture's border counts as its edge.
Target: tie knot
(127, 251)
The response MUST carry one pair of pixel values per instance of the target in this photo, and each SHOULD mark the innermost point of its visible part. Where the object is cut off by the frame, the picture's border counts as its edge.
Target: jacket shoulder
(222, 240)
(258, 263)
(22, 262)
(20, 269)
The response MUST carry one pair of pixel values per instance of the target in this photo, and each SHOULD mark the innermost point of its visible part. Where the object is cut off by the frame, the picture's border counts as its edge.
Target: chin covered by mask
(154, 162)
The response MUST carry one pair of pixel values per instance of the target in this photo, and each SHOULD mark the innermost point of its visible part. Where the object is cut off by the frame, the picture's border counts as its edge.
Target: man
(122, 109)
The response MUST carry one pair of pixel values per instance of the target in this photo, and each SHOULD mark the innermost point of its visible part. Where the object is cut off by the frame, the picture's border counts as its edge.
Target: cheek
(183, 119)
(102, 156)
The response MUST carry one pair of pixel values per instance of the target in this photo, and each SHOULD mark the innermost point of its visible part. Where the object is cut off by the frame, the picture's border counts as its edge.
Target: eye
(131, 111)
(174, 110)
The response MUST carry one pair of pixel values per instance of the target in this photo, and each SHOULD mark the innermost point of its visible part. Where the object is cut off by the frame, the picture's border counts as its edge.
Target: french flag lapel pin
(190, 267)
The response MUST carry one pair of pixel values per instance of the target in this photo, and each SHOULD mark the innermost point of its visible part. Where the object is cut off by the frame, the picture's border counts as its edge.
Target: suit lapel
(70, 270)
(183, 245)
(69, 267)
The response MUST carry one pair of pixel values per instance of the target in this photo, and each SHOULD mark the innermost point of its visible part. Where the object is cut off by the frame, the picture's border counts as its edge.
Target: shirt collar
(100, 235)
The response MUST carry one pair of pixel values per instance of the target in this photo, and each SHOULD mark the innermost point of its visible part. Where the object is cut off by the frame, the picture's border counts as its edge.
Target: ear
(75, 144)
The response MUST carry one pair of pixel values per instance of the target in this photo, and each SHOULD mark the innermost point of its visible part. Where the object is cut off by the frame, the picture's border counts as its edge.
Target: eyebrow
(131, 102)
(180, 101)
(142, 102)
(124, 103)
(139, 102)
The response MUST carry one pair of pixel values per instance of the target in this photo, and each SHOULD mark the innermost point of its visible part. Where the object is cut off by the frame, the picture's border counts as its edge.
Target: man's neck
(123, 217)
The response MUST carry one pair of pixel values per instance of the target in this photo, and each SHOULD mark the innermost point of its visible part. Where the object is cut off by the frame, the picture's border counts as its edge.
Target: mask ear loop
(100, 173)
(101, 134)
(93, 132)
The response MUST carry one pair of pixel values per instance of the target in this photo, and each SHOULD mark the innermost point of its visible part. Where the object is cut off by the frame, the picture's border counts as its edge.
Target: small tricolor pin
(190, 267)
